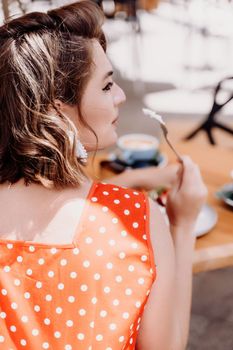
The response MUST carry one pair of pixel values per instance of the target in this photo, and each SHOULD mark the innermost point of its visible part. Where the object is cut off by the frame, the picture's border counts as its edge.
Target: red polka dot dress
(88, 295)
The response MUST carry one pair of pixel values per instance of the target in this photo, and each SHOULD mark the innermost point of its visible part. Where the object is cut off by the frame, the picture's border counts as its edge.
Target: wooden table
(215, 249)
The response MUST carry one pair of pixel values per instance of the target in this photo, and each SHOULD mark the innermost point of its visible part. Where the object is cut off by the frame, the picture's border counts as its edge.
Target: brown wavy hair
(43, 57)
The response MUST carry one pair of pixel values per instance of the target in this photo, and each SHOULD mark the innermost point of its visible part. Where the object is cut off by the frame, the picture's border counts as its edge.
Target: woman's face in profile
(99, 105)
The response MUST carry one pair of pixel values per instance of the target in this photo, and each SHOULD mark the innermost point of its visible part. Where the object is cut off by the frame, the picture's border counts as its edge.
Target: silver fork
(154, 115)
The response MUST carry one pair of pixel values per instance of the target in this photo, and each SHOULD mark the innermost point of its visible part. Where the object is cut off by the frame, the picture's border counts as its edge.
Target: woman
(77, 259)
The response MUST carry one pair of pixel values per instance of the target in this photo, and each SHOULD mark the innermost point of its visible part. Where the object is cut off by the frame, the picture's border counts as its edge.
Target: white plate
(206, 220)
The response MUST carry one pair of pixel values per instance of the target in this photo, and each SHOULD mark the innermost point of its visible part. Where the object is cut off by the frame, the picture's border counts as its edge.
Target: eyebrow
(109, 74)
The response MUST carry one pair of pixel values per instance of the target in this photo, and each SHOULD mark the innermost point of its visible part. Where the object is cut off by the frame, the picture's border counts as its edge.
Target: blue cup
(135, 147)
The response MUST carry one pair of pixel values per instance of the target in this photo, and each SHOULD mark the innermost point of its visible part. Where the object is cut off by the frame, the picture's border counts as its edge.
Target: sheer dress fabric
(88, 295)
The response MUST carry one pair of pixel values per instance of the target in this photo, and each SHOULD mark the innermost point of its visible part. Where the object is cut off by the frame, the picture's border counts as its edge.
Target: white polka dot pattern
(89, 296)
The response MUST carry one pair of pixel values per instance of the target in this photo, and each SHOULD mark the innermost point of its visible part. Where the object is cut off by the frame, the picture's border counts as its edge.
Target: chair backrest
(218, 106)
(211, 122)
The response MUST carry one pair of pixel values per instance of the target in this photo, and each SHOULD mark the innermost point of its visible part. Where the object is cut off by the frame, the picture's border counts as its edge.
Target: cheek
(98, 120)
(100, 114)
(101, 124)
(97, 100)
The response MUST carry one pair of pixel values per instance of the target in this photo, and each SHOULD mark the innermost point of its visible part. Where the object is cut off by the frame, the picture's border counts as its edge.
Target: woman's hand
(187, 195)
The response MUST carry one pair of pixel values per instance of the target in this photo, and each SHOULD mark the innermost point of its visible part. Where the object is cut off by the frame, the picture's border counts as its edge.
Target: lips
(115, 120)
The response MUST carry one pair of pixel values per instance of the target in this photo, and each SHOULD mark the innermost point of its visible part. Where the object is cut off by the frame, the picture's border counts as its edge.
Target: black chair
(210, 122)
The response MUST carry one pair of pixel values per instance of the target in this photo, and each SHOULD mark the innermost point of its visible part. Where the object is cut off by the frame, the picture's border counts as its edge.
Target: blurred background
(171, 56)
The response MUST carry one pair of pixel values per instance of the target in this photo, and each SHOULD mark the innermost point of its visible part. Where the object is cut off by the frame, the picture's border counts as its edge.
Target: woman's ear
(71, 111)
(58, 105)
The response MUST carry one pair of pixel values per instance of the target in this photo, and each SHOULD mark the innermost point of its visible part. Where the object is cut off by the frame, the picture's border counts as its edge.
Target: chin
(105, 142)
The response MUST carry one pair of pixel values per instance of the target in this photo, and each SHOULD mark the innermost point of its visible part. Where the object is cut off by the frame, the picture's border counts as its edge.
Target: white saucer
(163, 160)
(206, 220)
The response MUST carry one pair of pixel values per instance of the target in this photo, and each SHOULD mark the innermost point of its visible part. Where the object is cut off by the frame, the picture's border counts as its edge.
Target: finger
(174, 173)
(192, 178)
(187, 176)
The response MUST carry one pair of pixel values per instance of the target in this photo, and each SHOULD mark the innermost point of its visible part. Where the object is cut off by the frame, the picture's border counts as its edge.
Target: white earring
(80, 150)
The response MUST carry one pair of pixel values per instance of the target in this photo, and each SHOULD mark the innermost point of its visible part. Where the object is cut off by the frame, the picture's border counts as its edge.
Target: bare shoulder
(154, 326)
(54, 214)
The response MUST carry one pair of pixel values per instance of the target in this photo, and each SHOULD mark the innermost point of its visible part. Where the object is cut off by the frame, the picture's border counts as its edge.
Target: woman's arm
(165, 322)
(147, 178)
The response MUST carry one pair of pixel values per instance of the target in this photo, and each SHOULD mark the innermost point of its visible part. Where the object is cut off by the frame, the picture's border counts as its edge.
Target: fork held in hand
(154, 115)
(165, 132)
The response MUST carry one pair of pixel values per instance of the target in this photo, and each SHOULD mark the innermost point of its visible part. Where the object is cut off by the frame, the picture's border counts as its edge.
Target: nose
(119, 96)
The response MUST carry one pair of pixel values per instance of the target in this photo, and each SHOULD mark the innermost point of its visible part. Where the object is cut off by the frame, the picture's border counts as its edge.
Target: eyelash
(108, 86)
